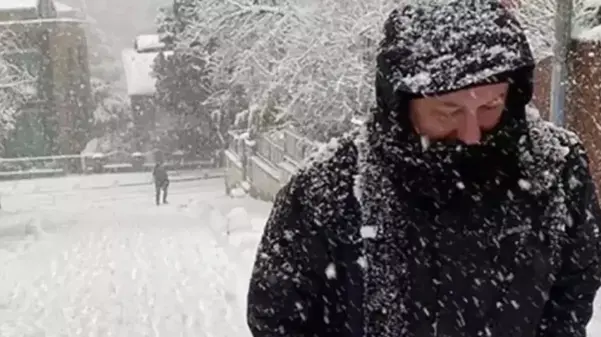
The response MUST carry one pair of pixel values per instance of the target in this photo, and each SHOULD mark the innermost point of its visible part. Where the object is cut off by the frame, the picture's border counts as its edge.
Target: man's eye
(444, 115)
(492, 107)
(447, 112)
(496, 102)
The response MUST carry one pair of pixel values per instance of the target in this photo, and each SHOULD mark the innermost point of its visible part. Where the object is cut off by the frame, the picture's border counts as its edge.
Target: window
(24, 67)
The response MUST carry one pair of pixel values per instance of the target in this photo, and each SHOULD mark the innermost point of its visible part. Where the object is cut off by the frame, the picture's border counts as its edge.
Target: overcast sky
(121, 20)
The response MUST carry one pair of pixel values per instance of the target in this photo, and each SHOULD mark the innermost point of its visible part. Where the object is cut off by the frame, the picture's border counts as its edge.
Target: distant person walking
(161, 181)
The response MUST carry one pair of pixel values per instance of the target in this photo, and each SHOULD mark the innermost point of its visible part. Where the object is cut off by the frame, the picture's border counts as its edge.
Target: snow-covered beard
(451, 168)
(445, 172)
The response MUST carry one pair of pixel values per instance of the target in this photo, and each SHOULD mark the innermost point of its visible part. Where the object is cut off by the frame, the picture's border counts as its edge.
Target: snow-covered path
(94, 257)
(107, 262)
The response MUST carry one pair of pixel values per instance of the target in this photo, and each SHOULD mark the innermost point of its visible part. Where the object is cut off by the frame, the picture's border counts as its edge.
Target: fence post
(560, 74)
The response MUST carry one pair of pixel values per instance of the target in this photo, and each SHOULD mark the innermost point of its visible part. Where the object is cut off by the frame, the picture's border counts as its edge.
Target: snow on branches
(16, 81)
(538, 18)
(309, 63)
(12, 76)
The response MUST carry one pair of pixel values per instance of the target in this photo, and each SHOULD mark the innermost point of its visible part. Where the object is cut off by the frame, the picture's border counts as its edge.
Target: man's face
(462, 115)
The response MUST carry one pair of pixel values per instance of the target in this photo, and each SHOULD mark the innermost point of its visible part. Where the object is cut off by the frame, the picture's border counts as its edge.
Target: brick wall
(584, 101)
(542, 87)
(65, 99)
(583, 98)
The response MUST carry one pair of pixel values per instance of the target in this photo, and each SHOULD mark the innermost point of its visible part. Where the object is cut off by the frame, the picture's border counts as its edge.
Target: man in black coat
(455, 211)
(161, 181)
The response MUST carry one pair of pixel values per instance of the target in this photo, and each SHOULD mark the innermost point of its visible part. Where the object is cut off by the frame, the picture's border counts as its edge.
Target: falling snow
(117, 265)
(384, 230)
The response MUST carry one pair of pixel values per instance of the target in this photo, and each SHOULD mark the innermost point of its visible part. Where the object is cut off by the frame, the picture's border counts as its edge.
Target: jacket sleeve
(284, 285)
(570, 304)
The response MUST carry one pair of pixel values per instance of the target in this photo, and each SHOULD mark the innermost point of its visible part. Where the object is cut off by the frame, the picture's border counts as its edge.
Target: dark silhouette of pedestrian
(161, 181)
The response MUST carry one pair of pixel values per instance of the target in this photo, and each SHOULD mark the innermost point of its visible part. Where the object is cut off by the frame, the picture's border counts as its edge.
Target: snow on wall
(148, 42)
(6, 5)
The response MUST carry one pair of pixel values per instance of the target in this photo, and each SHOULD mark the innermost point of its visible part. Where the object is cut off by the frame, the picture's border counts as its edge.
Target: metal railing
(264, 164)
(117, 161)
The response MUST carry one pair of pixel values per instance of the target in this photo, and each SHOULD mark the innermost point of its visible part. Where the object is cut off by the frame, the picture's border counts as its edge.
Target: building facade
(49, 40)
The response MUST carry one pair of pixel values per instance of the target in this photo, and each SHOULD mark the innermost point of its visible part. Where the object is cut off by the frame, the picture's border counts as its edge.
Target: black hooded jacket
(378, 237)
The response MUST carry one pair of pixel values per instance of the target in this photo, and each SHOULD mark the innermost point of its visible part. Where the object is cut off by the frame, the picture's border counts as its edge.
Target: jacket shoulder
(331, 165)
(548, 137)
(324, 182)
(553, 150)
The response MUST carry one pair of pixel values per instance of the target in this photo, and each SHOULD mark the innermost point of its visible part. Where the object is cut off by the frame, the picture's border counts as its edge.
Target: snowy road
(91, 256)
(108, 262)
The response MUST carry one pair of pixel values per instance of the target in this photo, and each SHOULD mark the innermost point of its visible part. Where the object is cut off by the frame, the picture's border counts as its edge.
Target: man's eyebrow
(500, 97)
(448, 104)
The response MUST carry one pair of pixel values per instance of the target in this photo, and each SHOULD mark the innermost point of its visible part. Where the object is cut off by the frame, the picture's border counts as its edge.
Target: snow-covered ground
(93, 256)
(101, 259)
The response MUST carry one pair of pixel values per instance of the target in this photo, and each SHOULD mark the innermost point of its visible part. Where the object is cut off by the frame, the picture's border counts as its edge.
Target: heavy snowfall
(93, 256)
(232, 97)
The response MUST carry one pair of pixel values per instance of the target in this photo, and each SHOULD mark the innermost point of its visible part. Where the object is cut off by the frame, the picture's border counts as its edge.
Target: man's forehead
(485, 91)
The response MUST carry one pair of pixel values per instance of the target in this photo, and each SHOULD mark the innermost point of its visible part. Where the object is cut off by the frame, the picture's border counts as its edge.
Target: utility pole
(560, 75)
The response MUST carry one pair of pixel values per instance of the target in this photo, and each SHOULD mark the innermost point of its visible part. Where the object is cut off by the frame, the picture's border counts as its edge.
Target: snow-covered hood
(444, 45)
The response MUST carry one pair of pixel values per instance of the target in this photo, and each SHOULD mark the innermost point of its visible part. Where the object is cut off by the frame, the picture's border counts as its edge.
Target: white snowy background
(93, 256)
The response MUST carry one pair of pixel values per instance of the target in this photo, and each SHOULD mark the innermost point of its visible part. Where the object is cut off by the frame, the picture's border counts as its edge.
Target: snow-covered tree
(167, 25)
(309, 63)
(16, 81)
(112, 112)
(538, 17)
(181, 92)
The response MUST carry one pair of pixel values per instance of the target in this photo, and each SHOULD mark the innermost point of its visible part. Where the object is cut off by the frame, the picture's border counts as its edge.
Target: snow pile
(238, 192)
(237, 218)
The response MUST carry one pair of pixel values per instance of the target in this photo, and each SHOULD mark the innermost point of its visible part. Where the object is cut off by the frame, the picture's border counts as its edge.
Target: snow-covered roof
(148, 42)
(138, 71)
(6, 5)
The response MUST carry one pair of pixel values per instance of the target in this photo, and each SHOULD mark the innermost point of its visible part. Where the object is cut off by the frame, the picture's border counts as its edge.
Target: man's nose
(469, 131)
